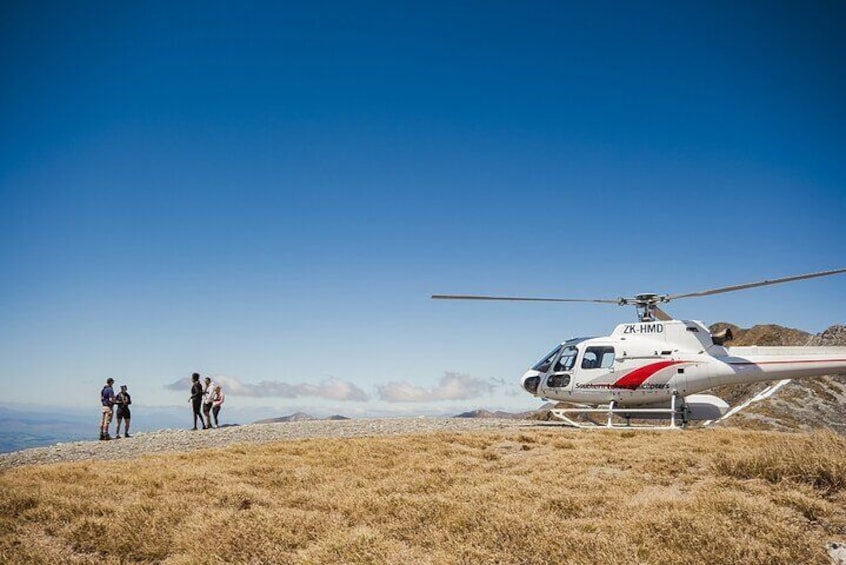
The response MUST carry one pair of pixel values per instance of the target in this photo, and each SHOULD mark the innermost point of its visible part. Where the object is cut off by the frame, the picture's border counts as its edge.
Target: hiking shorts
(123, 412)
(106, 418)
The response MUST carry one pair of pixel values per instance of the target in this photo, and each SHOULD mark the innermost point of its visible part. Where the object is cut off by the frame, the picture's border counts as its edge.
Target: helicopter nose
(531, 381)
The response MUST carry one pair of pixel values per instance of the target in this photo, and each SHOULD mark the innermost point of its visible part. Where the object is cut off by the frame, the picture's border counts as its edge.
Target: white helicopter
(656, 367)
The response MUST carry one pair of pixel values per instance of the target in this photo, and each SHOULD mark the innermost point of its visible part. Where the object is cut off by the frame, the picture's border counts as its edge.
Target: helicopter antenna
(646, 304)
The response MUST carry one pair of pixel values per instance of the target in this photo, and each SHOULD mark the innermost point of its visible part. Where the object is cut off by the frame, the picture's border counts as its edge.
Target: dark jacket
(197, 392)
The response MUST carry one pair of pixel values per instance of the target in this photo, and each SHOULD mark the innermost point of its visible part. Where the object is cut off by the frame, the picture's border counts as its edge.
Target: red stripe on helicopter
(639, 376)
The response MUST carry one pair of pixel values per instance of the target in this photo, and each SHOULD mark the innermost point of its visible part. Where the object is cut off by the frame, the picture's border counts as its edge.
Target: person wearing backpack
(122, 400)
(107, 399)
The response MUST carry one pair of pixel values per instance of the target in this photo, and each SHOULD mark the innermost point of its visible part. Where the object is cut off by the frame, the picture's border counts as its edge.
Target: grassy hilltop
(544, 495)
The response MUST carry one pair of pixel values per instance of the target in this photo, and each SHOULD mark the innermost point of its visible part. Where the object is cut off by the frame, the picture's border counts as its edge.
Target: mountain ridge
(299, 417)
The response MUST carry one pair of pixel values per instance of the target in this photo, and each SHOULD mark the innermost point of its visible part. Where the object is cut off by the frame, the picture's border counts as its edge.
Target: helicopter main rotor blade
(753, 285)
(517, 298)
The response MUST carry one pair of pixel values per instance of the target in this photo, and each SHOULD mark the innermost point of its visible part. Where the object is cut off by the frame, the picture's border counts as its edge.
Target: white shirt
(207, 393)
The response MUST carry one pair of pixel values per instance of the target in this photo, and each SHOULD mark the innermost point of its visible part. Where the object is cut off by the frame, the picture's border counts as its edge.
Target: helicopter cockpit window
(544, 364)
(567, 359)
(598, 358)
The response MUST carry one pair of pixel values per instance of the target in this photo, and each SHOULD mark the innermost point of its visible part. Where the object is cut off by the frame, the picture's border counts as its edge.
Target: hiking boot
(126, 435)
(102, 436)
(117, 436)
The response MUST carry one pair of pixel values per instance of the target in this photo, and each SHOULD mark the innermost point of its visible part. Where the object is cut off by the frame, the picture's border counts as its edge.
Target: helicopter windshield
(544, 364)
(567, 359)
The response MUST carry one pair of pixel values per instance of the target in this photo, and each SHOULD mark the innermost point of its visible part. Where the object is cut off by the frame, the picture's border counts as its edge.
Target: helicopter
(658, 367)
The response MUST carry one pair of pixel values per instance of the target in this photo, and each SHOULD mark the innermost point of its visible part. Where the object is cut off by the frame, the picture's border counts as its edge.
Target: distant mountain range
(298, 417)
(527, 415)
(481, 413)
(540, 413)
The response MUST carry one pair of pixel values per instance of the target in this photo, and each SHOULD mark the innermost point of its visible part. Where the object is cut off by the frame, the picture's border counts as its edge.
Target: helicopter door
(560, 378)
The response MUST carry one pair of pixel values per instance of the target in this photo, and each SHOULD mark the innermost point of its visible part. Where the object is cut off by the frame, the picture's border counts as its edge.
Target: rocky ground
(166, 441)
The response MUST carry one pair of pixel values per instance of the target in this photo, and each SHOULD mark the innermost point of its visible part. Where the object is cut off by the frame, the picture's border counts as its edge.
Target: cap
(122, 386)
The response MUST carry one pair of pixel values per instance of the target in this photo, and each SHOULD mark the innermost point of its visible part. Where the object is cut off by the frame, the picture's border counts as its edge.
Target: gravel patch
(170, 441)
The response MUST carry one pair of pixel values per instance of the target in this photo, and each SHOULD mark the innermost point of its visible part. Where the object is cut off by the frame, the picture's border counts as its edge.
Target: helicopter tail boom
(758, 363)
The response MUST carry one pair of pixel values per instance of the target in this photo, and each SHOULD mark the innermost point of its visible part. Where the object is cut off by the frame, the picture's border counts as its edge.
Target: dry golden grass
(538, 495)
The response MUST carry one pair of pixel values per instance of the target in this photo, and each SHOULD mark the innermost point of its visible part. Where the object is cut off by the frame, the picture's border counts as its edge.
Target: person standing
(107, 399)
(217, 402)
(122, 400)
(196, 399)
(208, 389)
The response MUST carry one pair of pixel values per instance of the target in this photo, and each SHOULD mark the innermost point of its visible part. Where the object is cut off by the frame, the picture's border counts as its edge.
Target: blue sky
(269, 193)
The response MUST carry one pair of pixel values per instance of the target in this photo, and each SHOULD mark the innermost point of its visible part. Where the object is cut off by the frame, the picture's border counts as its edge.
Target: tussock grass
(818, 460)
(543, 495)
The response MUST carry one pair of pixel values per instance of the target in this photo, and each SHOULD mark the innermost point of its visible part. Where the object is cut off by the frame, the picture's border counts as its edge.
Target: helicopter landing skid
(675, 416)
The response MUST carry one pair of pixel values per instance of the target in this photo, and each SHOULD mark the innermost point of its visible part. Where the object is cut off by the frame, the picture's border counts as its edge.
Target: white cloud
(331, 388)
(452, 386)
